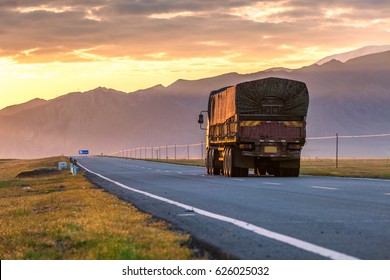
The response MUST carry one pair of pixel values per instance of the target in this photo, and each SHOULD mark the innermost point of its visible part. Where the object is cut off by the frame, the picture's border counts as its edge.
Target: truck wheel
(224, 168)
(226, 157)
(277, 171)
(226, 162)
(294, 172)
(213, 169)
(262, 171)
(234, 171)
(271, 171)
(287, 172)
(244, 172)
(207, 162)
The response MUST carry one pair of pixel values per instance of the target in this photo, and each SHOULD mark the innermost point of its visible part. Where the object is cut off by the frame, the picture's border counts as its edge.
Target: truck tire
(213, 169)
(207, 162)
(244, 172)
(226, 162)
(260, 169)
(233, 170)
(294, 172)
(271, 170)
(287, 172)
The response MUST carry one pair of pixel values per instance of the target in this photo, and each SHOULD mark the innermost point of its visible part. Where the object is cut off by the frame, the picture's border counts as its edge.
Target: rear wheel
(271, 170)
(207, 162)
(226, 162)
(292, 172)
(214, 170)
(286, 172)
(262, 171)
(244, 172)
(234, 171)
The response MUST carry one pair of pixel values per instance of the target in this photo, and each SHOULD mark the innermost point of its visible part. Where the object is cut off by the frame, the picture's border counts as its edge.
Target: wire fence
(197, 150)
(183, 151)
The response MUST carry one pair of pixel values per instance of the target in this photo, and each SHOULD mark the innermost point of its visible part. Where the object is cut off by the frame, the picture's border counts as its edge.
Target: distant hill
(13, 109)
(348, 98)
(343, 57)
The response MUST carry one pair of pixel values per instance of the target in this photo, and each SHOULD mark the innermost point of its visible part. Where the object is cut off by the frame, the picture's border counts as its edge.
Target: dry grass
(363, 168)
(66, 217)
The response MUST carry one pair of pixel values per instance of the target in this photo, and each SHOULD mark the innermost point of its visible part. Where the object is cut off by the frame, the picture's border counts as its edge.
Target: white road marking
(324, 188)
(186, 215)
(328, 253)
(271, 183)
(349, 178)
(179, 172)
(240, 180)
(167, 171)
(365, 179)
(387, 193)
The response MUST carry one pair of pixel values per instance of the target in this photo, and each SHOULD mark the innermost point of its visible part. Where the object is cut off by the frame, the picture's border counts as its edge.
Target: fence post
(337, 150)
(201, 150)
(175, 151)
(188, 151)
(166, 151)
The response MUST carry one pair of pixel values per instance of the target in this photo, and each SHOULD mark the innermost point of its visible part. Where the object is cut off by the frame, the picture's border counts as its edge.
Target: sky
(50, 48)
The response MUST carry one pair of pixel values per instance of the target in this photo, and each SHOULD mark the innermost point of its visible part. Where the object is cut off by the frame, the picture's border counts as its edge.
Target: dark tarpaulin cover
(249, 97)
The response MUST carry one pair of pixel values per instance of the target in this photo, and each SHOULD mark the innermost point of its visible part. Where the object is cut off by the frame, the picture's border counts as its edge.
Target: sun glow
(45, 8)
(49, 48)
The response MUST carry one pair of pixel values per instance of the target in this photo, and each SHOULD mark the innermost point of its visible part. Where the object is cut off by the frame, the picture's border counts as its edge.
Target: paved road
(258, 217)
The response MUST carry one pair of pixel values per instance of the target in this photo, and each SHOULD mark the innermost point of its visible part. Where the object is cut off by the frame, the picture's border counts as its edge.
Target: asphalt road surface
(257, 217)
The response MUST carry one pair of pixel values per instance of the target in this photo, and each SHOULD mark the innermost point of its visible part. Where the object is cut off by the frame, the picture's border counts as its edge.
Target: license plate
(270, 149)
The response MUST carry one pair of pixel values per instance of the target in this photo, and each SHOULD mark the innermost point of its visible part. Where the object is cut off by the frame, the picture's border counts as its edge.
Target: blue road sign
(83, 152)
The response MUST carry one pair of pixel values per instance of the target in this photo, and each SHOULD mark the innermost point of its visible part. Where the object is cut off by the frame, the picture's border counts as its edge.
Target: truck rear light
(294, 146)
(246, 146)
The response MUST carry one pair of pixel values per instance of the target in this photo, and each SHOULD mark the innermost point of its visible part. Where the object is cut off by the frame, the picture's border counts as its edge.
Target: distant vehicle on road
(259, 124)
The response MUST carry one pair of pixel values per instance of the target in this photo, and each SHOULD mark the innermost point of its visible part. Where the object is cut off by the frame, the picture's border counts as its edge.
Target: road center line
(324, 188)
(387, 193)
(186, 215)
(242, 224)
(271, 183)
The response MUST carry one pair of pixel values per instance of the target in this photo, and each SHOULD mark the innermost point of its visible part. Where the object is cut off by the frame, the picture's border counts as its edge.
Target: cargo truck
(259, 125)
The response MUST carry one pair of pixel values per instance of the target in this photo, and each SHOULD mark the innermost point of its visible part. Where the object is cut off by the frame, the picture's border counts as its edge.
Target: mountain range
(349, 98)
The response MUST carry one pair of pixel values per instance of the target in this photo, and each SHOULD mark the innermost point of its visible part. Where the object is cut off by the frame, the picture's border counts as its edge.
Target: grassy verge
(63, 216)
(192, 162)
(363, 168)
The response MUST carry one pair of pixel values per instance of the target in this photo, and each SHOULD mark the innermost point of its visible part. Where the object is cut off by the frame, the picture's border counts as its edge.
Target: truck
(259, 125)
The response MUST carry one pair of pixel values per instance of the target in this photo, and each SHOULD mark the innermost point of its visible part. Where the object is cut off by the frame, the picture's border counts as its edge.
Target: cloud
(34, 31)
